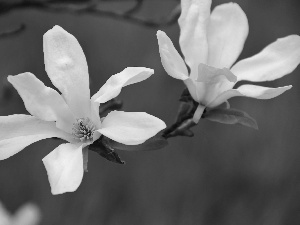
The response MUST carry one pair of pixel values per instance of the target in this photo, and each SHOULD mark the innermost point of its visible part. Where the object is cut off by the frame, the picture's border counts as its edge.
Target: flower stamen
(84, 129)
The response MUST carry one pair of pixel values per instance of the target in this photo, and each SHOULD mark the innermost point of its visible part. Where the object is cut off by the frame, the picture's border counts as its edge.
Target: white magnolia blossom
(72, 115)
(211, 42)
(28, 214)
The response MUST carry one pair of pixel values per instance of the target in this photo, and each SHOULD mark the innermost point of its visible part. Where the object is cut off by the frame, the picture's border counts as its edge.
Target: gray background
(227, 175)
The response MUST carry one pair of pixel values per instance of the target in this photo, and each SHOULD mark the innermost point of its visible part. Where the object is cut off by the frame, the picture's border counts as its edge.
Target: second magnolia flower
(72, 115)
(211, 43)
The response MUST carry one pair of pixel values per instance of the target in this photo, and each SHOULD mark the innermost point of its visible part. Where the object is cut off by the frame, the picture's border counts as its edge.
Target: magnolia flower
(72, 115)
(28, 214)
(211, 43)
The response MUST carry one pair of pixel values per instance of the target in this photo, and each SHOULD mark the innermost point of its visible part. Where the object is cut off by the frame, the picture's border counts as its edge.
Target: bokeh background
(225, 174)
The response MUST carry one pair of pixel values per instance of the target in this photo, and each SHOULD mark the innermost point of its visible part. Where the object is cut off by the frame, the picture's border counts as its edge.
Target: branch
(12, 32)
(136, 8)
(80, 7)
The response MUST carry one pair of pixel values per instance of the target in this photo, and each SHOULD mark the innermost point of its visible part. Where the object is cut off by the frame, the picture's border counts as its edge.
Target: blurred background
(225, 174)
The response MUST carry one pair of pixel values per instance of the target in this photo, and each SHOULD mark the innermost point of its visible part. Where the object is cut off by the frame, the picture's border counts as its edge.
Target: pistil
(84, 129)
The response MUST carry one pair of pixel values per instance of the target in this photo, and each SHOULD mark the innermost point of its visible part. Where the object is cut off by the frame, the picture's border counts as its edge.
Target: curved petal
(43, 102)
(252, 91)
(276, 60)
(28, 214)
(130, 128)
(193, 30)
(170, 58)
(115, 83)
(210, 83)
(227, 31)
(209, 74)
(19, 131)
(64, 167)
(67, 68)
(196, 89)
(184, 7)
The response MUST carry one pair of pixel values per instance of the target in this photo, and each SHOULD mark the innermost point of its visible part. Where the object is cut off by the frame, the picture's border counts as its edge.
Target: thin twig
(15, 31)
(135, 8)
(87, 7)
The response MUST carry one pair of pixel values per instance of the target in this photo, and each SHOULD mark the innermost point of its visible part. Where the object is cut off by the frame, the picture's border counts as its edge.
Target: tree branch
(82, 7)
(12, 32)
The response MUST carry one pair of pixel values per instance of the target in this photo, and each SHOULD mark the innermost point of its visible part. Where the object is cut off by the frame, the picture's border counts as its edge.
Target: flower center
(84, 129)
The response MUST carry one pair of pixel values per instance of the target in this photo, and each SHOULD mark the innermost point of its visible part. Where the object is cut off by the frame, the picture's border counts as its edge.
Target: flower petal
(19, 131)
(210, 83)
(227, 31)
(185, 4)
(209, 74)
(276, 60)
(64, 167)
(196, 89)
(193, 30)
(28, 214)
(252, 91)
(43, 102)
(115, 83)
(170, 58)
(130, 128)
(67, 68)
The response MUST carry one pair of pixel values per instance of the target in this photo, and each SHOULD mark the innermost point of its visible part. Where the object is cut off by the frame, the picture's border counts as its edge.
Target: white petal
(67, 68)
(276, 60)
(170, 58)
(210, 83)
(130, 128)
(209, 74)
(196, 89)
(43, 102)
(185, 4)
(19, 131)
(193, 30)
(64, 167)
(227, 31)
(251, 91)
(28, 214)
(115, 83)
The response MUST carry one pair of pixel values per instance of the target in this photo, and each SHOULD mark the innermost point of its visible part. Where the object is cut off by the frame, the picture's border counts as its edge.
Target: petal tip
(161, 124)
(56, 28)
(289, 87)
(160, 33)
(162, 36)
(150, 71)
(9, 77)
(53, 32)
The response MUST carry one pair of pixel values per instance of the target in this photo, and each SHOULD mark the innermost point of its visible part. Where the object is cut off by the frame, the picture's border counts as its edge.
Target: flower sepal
(230, 116)
(184, 120)
(186, 96)
(107, 147)
(104, 149)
